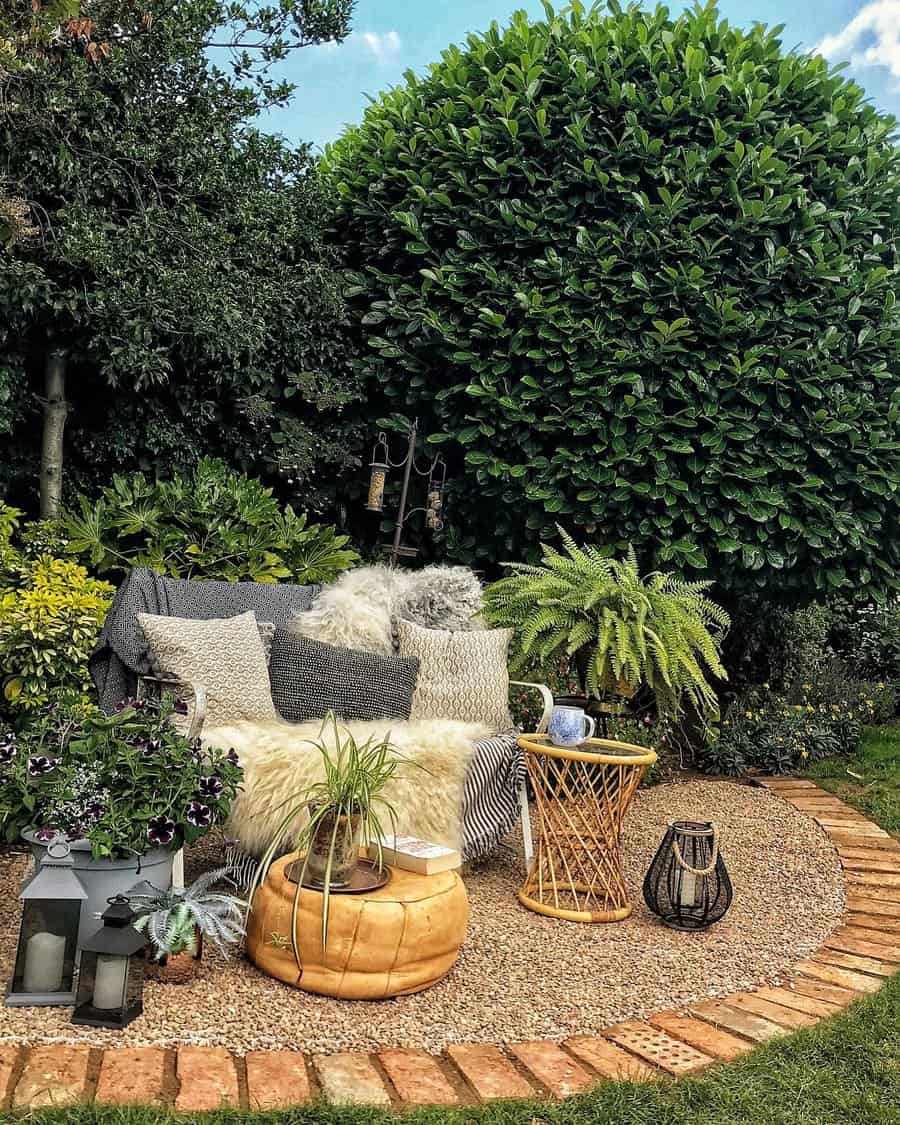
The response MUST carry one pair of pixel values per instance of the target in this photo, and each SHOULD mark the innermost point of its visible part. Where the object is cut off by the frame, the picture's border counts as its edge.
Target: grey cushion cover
(310, 678)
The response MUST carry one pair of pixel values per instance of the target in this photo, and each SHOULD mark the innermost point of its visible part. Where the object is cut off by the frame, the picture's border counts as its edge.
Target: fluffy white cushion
(356, 611)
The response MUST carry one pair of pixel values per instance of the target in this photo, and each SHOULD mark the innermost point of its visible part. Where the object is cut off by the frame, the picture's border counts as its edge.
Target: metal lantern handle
(714, 859)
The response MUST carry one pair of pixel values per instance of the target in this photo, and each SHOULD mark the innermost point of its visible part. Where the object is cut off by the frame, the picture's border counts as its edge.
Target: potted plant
(619, 630)
(125, 790)
(177, 920)
(338, 813)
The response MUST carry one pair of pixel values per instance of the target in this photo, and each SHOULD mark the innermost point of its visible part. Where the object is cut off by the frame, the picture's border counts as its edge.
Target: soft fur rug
(356, 610)
(280, 764)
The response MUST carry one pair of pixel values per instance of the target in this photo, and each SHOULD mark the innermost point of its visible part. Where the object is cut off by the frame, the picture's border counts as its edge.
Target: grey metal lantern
(111, 977)
(44, 973)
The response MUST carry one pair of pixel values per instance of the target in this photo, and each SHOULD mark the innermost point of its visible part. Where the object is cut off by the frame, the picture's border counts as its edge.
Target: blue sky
(391, 36)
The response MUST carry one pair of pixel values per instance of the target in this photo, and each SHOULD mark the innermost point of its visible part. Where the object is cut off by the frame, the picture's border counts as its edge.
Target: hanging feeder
(687, 884)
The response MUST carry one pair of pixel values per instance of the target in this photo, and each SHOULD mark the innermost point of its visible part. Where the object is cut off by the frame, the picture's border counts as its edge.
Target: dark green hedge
(641, 271)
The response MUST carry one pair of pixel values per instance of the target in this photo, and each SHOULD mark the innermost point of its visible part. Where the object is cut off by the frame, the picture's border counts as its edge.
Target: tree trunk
(55, 410)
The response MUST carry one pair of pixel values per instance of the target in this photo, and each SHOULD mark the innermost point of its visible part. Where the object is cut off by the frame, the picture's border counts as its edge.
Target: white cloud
(871, 38)
(383, 47)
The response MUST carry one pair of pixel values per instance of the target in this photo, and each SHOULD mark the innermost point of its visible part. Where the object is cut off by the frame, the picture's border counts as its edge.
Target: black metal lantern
(687, 884)
(378, 471)
(111, 977)
(44, 972)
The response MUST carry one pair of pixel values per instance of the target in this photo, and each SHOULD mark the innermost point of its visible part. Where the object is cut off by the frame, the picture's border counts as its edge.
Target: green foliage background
(638, 275)
(178, 255)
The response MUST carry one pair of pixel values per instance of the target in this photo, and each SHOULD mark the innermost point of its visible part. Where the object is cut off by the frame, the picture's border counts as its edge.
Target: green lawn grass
(870, 780)
(844, 1071)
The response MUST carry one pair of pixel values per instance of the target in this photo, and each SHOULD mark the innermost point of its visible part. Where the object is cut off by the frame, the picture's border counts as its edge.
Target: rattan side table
(581, 795)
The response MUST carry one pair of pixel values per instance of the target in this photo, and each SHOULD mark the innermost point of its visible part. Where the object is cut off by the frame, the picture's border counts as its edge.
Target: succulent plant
(171, 919)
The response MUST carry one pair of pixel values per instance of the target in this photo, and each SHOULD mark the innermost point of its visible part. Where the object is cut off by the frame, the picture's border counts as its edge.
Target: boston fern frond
(624, 629)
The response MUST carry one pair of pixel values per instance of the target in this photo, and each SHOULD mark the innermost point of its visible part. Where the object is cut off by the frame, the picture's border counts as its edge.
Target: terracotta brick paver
(758, 1006)
(751, 1026)
(853, 961)
(489, 1072)
(9, 1061)
(351, 1079)
(609, 1060)
(658, 1047)
(875, 967)
(132, 1076)
(552, 1067)
(52, 1076)
(789, 998)
(830, 974)
(820, 990)
(711, 1040)
(276, 1079)
(417, 1077)
(207, 1080)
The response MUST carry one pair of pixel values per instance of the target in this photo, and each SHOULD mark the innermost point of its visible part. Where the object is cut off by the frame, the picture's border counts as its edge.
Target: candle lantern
(378, 471)
(44, 972)
(111, 977)
(687, 884)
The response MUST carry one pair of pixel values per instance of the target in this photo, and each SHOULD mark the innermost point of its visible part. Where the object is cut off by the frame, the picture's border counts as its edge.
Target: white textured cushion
(462, 675)
(225, 654)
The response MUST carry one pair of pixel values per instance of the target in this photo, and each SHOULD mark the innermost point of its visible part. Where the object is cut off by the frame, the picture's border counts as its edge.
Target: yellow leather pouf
(401, 938)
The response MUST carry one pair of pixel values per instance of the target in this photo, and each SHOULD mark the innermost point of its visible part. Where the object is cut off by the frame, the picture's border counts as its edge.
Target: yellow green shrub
(49, 623)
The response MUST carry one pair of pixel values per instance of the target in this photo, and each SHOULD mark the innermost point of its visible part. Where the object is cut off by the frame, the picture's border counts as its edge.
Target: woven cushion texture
(310, 678)
(461, 675)
(225, 655)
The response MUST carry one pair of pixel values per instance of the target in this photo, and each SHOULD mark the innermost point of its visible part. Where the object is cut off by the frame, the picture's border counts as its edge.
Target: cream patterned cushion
(225, 655)
(462, 675)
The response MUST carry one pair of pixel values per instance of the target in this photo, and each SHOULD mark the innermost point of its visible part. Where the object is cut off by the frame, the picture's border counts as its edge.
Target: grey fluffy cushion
(310, 678)
(356, 611)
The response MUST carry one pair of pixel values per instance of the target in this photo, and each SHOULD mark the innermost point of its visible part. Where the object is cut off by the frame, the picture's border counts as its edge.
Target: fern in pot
(620, 630)
(337, 814)
(176, 921)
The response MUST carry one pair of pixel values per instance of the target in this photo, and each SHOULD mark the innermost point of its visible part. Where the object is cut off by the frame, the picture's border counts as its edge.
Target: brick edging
(854, 960)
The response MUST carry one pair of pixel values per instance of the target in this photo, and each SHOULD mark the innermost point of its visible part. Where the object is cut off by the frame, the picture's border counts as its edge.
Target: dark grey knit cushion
(310, 678)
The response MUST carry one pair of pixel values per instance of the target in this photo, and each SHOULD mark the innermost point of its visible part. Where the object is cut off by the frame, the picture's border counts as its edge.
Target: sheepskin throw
(225, 655)
(356, 611)
(461, 675)
(280, 763)
(311, 678)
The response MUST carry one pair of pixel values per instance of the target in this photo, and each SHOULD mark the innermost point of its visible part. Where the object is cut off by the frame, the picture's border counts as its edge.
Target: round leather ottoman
(401, 938)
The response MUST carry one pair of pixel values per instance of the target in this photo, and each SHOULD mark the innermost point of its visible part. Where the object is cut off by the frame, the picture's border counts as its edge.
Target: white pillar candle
(109, 981)
(687, 895)
(45, 956)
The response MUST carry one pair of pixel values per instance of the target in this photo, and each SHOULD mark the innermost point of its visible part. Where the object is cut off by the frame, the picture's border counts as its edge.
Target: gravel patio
(520, 976)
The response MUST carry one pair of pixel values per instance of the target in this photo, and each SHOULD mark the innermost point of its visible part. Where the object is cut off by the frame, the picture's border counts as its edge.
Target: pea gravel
(520, 976)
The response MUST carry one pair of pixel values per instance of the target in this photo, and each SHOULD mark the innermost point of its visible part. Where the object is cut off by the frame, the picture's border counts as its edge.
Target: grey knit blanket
(121, 653)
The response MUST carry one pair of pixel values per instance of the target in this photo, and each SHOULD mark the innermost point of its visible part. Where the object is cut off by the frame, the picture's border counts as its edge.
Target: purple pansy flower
(180, 707)
(7, 748)
(160, 830)
(210, 786)
(45, 835)
(232, 757)
(198, 814)
(129, 703)
(40, 764)
(94, 810)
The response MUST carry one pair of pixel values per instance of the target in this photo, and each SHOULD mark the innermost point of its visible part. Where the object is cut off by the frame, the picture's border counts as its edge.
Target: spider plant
(172, 919)
(355, 777)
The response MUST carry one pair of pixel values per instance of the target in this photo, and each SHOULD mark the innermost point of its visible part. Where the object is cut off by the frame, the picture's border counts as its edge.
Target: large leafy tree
(638, 273)
(177, 298)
